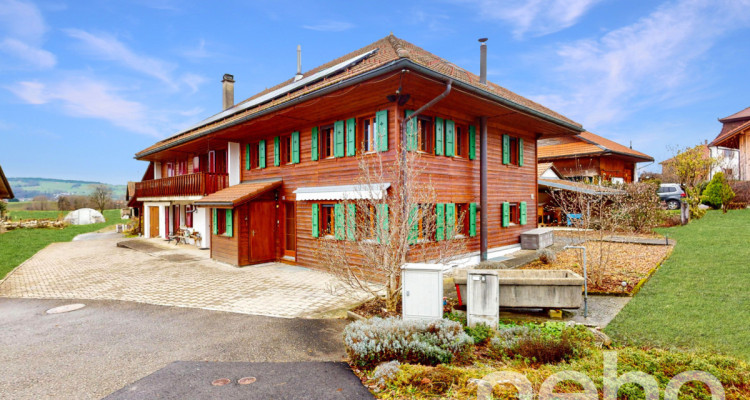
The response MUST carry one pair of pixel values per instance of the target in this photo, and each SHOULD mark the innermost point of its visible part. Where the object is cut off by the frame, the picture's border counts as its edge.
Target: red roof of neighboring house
(541, 168)
(389, 49)
(583, 144)
(704, 148)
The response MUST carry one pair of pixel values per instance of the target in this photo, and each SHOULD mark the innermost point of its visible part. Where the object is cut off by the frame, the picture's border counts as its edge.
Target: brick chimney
(228, 91)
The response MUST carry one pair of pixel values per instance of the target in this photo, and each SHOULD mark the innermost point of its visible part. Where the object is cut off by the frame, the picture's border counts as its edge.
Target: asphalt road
(107, 345)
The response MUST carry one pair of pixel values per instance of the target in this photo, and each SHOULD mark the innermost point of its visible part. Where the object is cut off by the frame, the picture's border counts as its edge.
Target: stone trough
(547, 289)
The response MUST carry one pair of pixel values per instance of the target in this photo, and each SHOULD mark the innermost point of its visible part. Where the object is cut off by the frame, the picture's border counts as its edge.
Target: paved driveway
(156, 273)
(108, 345)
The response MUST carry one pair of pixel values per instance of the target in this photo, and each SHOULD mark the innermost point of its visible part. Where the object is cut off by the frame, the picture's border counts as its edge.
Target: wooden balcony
(198, 184)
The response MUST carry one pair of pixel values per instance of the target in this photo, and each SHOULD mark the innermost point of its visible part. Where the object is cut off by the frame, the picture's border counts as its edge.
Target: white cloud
(36, 57)
(89, 98)
(646, 63)
(330, 26)
(22, 29)
(21, 20)
(534, 17)
(109, 48)
(193, 81)
(198, 51)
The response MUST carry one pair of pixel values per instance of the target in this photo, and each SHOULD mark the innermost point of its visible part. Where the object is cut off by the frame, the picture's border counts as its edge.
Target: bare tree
(384, 229)
(101, 198)
(40, 203)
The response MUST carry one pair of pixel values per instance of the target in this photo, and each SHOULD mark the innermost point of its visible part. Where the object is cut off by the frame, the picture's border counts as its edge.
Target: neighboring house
(5, 191)
(266, 179)
(589, 157)
(727, 161)
(735, 134)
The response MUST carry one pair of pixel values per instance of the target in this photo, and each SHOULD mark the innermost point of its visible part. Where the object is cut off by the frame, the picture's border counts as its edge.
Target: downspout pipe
(405, 123)
(483, 222)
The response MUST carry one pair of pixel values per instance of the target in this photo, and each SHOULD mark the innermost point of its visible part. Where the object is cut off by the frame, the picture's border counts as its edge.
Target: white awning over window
(375, 191)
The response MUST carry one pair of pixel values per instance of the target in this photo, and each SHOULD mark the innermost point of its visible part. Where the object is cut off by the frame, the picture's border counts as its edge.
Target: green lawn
(18, 245)
(700, 297)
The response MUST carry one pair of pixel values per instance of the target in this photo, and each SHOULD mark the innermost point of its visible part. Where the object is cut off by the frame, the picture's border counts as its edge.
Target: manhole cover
(65, 308)
(247, 380)
(220, 382)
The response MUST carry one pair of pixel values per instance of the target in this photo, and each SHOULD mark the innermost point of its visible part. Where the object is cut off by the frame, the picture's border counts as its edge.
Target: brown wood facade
(456, 179)
(604, 167)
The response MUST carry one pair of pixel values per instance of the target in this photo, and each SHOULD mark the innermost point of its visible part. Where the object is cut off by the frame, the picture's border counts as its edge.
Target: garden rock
(601, 337)
(386, 372)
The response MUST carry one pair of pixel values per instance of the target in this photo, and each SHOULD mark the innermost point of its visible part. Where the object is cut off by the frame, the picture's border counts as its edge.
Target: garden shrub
(481, 333)
(370, 342)
(456, 317)
(550, 342)
(718, 193)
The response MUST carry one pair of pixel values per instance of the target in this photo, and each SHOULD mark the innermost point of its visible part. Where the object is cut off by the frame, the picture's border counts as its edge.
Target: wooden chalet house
(735, 134)
(590, 157)
(265, 178)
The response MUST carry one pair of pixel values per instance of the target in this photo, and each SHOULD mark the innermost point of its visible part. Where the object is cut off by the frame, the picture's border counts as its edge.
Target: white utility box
(422, 291)
(483, 297)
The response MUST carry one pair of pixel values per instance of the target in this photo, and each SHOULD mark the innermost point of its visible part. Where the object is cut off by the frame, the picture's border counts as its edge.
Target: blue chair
(571, 217)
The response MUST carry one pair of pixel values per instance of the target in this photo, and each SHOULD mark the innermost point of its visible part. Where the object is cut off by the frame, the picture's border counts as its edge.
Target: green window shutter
(520, 152)
(277, 151)
(506, 214)
(351, 137)
(450, 142)
(295, 147)
(522, 213)
(338, 212)
(381, 124)
(247, 156)
(472, 142)
(440, 223)
(315, 220)
(262, 154)
(411, 132)
(338, 139)
(413, 224)
(215, 224)
(450, 220)
(351, 221)
(383, 225)
(314, 152)
(230, 224)
(473, 219)
(439, 136)
(506, 149)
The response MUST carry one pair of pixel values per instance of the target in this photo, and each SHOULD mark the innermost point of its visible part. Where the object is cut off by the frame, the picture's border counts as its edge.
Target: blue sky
(84, 85)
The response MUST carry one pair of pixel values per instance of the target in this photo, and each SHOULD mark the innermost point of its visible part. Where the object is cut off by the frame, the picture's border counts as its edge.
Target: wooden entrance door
(262, 234)
(153, 221)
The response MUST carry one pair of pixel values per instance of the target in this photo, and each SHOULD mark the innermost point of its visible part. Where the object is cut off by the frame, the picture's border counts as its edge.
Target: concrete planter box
(534, 288)
(536, 239)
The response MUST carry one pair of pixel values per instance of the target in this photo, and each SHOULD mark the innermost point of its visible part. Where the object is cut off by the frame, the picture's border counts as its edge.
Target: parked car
(672, 194)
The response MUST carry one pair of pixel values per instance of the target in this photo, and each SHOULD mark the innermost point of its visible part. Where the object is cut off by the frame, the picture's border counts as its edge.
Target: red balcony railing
(199, 184)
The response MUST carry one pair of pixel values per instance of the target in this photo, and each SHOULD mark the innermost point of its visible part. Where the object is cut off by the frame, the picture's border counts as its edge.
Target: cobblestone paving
(181, 277)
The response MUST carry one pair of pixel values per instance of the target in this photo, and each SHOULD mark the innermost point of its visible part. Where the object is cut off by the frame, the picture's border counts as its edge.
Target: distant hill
(28, 188)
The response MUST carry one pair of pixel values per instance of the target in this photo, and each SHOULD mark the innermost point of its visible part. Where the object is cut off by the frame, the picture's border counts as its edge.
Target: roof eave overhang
(389, 67)
(6, 184)
(632, 157)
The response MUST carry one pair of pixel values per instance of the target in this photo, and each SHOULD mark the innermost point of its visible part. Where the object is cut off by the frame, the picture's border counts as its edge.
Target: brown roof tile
(727, 134)
(744, 114)
(585, 143)
(235, 195)
(390, 49)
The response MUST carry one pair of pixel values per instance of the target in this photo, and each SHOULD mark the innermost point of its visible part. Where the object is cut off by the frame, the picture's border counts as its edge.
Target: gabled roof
(729, 131)
(705, 151)
(233, 196)
(744, 114)
(368, 62)
(585, 144)
(5, 191)
(541, 168)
